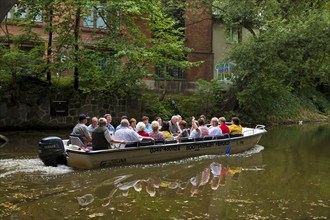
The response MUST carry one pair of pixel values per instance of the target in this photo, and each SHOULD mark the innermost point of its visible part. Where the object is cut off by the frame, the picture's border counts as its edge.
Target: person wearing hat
(82, 130)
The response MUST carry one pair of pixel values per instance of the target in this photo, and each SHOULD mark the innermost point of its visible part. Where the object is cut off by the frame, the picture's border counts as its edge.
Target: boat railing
(262, 127)
(253, 130)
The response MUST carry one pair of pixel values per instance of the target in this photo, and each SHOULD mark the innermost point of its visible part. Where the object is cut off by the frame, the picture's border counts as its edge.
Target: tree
(285, 68)
(135, 37)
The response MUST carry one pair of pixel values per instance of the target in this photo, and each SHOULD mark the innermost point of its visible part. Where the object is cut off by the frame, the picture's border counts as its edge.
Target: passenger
(166, 131)
(235, 128)
(195, 132)
(140, 129)
(224, 128)
(93, 125)
(204, 118)
(109, 125)
(160, 122)
(147, 128)
(82, 130)
(155, 134)
(173, 127)
(102, 138)
(132, 123)
(204, 130)
(177, 123)
(129, 135)
(119, 126)
(214, 130)
(184, 131)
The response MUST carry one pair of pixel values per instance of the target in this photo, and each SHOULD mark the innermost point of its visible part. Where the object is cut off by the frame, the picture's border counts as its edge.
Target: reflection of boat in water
(3, 140)
(53, 152)
(211, 178)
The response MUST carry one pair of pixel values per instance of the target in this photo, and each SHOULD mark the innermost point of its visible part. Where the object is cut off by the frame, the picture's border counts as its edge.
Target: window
(233, 35)
(99, 18)
(174, 72)
(22, 12)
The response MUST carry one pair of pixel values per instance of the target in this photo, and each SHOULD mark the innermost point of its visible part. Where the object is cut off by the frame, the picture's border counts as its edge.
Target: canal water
(286, 176)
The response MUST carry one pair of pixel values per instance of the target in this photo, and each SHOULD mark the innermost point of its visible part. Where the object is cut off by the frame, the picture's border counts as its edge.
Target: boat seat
(76, 141)
(208, 138)
(236, 135)
(159, 142)
(184, 140)
(146, 143)
(199, 139)
(79, 136)
(170, 141)
(221, 136)
(131, 144)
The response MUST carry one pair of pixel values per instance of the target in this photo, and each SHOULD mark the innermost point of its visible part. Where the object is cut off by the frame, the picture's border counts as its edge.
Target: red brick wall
(199, 38)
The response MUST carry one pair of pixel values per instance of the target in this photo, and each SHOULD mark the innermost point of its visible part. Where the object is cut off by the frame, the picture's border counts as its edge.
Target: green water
(287, 176)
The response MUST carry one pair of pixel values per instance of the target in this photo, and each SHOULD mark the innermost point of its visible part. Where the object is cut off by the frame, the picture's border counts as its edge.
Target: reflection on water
(288, 177)
(154, 185)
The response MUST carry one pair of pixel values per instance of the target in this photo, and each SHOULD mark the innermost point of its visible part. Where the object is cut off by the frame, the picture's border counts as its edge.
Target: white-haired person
(156, 134)
(102, 138)
(140, 129)
(173, 125)
(214, 129)
(129, 135)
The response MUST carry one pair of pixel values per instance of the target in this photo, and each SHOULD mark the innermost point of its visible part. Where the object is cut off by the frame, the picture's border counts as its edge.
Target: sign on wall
(224, 71)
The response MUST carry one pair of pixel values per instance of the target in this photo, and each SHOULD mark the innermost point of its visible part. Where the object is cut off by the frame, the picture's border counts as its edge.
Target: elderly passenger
(93, 125)
(214, 130)
(174, 129)
(102, 138)
(155, 134)
(82, 130)
(140, 127)
(129, 135)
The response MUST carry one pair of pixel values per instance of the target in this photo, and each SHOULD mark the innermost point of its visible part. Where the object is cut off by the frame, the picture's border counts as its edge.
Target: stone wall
(33, 111)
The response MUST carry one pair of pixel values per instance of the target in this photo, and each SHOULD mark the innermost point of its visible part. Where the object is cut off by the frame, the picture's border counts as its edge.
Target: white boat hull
(159, 153)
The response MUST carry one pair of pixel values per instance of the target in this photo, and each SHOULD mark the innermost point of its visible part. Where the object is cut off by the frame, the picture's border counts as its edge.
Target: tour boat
(54, 150)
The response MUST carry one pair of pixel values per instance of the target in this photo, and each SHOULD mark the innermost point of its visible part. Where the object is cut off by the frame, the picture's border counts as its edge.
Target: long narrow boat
(54, 151)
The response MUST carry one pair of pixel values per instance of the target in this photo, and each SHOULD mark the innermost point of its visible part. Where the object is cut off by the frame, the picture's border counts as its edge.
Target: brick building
(198, 36)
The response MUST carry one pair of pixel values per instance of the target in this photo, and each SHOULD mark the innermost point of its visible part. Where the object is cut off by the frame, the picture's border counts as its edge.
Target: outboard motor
(51, 151)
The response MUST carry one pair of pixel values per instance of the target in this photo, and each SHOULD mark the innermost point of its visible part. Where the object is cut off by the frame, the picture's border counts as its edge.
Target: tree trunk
(49, 46)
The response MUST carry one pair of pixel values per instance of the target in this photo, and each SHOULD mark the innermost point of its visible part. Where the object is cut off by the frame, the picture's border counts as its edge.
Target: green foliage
(275, 69)
(153, 108)
(137, 36)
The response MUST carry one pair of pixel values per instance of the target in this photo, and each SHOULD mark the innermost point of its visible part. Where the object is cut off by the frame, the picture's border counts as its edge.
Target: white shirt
(213, 131)
(128, 135)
